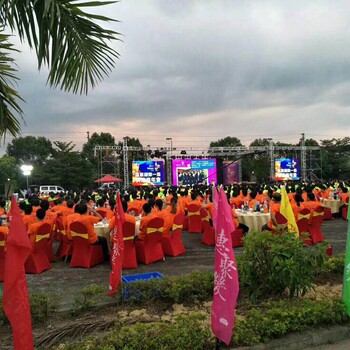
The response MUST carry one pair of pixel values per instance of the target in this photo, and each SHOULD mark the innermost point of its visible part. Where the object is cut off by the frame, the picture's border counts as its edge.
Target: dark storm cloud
(191, 62)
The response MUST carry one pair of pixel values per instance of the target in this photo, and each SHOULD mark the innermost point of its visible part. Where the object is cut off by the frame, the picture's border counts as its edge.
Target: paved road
(342, 345)
(198, 257)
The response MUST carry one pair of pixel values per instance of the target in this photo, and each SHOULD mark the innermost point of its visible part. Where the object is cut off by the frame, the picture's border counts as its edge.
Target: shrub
(270, 264)
(276, 318)
(262, 322)
(42, 306)
(335, 264)
(191, 288)
(88, 299)
(186, 332)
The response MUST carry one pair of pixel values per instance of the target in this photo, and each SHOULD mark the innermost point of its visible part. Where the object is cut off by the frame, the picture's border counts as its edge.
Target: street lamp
(26, 170)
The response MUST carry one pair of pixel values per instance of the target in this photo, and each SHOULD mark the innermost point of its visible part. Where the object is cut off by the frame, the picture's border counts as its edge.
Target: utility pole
(126, 162)
(303, 157)
(88, 135)
(272, 159)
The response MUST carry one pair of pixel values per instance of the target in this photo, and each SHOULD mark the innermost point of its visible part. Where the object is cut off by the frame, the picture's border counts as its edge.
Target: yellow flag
(287, 211)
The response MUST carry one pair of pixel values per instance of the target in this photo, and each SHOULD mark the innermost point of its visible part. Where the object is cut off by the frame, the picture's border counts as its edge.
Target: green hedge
(277, 318)
(186, 289)
(264, 322)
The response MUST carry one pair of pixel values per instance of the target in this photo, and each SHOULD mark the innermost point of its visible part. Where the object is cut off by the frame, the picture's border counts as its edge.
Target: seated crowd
(165, 202)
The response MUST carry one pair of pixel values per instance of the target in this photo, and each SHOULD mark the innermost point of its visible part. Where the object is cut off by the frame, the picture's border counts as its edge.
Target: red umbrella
(109, 178)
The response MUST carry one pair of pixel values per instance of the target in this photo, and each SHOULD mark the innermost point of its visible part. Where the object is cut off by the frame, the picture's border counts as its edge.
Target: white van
(50, 188)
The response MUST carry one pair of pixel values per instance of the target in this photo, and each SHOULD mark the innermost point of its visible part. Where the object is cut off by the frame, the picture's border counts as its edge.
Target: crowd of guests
(90, 207)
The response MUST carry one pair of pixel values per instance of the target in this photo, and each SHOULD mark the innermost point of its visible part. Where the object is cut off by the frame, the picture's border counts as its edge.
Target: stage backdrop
(230, 172)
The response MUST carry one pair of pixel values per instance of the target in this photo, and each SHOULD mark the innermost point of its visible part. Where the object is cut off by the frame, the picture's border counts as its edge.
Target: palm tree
(66, 40)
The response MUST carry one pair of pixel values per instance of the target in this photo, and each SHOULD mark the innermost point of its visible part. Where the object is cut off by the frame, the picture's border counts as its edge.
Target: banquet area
(193, 249)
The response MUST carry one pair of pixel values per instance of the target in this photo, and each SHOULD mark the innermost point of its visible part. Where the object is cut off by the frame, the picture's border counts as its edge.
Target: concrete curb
(310, 338)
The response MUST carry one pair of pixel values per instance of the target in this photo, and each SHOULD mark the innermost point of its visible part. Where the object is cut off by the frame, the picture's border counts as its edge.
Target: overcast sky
(198, 71)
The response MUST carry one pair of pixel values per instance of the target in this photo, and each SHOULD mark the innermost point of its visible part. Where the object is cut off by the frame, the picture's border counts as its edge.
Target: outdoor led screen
(287, 169)
(147, 172)
(188, 172)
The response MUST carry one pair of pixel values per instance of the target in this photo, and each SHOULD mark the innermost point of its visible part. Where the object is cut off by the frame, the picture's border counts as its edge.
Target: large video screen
(287, 169)
(230, 172)
(147, 172)
(188, 172)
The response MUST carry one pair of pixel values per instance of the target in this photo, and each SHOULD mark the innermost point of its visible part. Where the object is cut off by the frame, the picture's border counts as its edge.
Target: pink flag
(15, 299)
(117, 248)
(226, 285)
(215, 196)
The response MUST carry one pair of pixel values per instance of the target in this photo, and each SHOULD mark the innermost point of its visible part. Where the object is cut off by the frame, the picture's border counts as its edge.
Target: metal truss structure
(308, 160)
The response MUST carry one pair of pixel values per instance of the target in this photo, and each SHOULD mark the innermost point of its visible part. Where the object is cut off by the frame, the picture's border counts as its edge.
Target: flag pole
(218, 344)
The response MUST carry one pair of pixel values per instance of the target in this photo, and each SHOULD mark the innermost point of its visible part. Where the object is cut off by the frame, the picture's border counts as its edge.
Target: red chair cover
(2, 255)
(344, 211)
(103, 213)
(237, 238)
(50, 252)
(281, 220)
(209, 231)
(194, 219)
(327, 215)
(315, 226)
(173, 245)
(303, 224)
(185, 224)
(133, 211)
(129, 259)
(65, 248)
(38, 260)
(84, 253)
(150, 249)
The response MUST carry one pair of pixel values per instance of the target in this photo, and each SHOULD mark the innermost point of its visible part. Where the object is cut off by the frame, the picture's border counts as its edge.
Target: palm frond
(9, 97)
(66, 39)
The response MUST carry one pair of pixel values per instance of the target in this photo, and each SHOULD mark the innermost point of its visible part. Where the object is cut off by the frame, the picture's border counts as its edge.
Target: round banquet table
(254, 220)
(137, 226)
(334, 204)
(102, 229)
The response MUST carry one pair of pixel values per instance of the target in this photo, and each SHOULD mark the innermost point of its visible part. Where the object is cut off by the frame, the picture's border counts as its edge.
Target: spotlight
(183, 152)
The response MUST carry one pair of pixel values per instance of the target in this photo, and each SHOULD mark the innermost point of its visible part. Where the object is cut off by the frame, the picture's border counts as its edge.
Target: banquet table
(334, 204)
(137, 226)
(254, 220)
(102, 229)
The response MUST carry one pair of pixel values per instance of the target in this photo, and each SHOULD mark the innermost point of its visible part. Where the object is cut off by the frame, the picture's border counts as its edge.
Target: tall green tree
(9, 173)
(65, 38)
(228, 141)
(102, 139)
(68, 168)
(259, 163)
(30, 149)
(336, 158)
(132, 155)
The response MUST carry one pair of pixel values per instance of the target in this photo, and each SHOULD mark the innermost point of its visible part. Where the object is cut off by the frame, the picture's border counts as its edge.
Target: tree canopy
(228, 141)
(30, 149)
